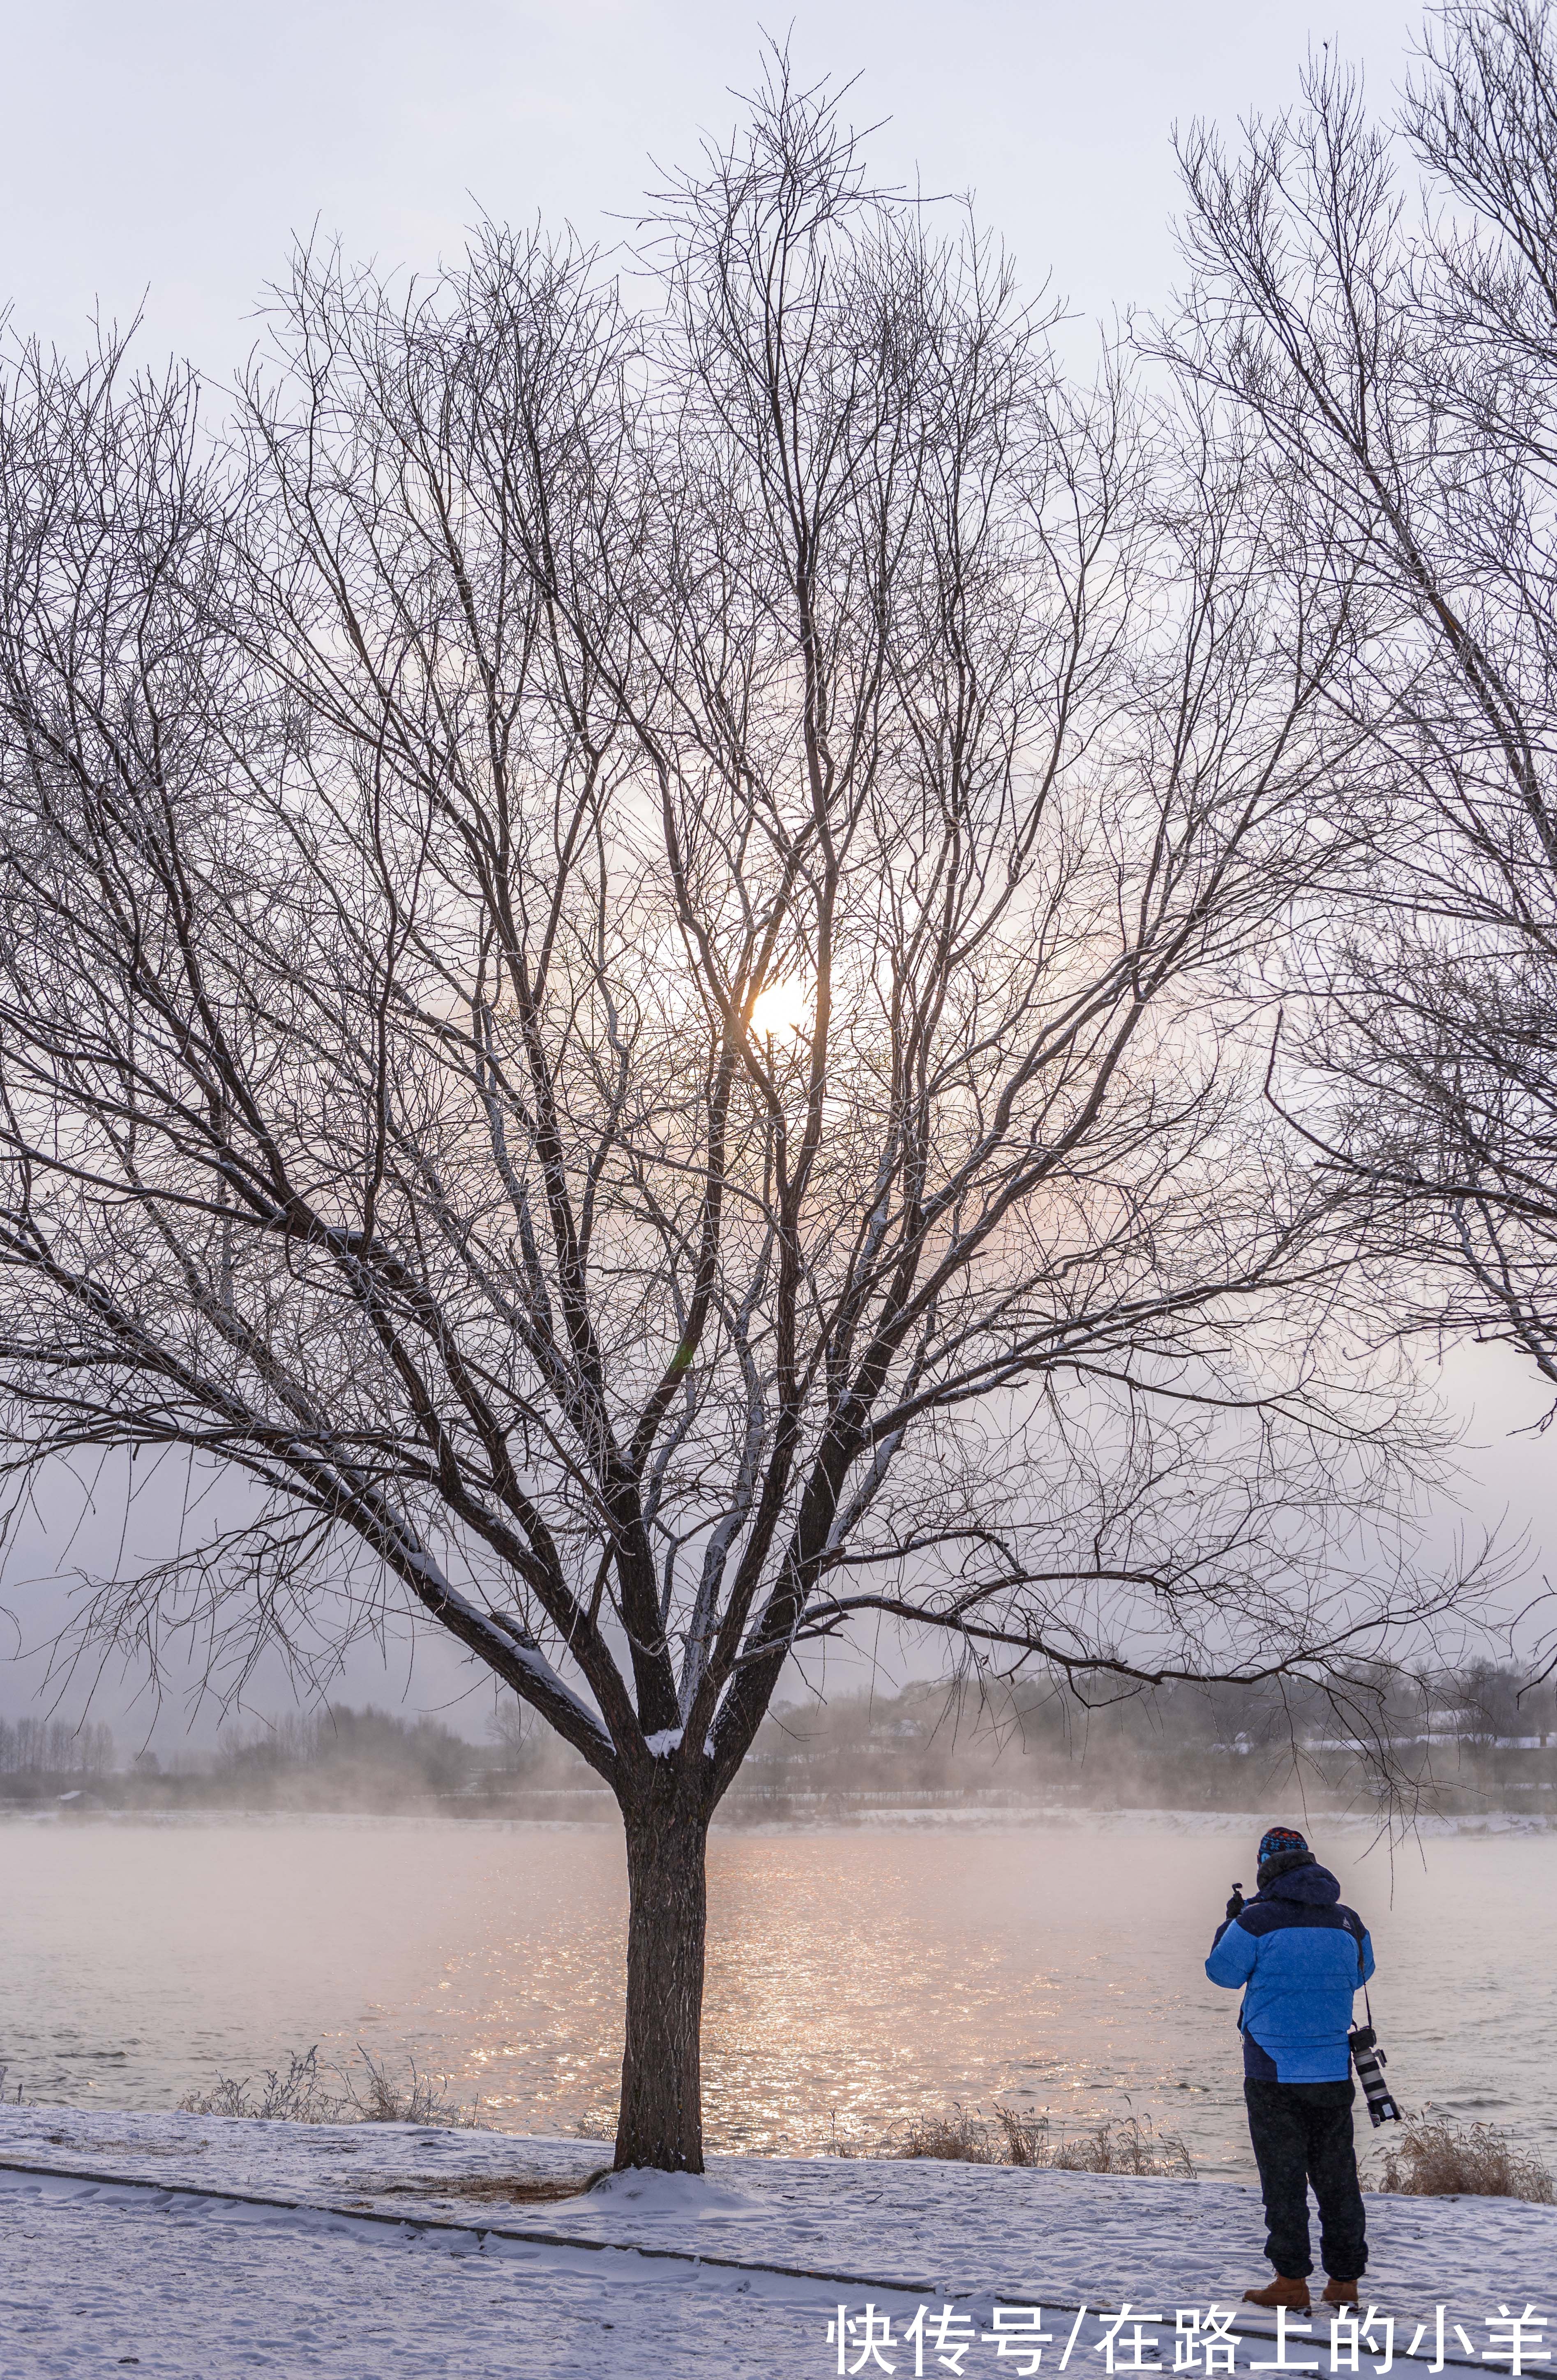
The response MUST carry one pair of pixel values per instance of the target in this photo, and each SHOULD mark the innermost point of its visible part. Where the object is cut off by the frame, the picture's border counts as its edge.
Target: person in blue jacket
(1299, 1955)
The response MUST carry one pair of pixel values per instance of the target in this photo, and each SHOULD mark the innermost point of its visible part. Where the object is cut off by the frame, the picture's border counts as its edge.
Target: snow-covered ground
(193, 2286)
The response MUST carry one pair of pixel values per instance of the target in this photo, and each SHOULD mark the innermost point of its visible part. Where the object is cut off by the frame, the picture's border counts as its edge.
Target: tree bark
(662, 2118)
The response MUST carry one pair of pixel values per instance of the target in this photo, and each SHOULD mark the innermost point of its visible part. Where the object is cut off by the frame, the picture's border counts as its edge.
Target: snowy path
(90, 2280)
(196, 2288)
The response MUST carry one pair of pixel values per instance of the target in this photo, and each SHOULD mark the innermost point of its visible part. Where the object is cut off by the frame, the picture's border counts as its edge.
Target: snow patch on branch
(529, 1656)
(515, 1641)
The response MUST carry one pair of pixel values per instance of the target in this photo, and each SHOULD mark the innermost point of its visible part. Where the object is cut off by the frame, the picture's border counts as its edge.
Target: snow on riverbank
(197, 2288)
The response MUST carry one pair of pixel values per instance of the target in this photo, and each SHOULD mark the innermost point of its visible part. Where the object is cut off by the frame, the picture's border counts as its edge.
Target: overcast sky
(171, 151)
(162, 158)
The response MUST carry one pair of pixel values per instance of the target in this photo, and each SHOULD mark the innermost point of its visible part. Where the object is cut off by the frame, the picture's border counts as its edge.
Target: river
(856, 1978)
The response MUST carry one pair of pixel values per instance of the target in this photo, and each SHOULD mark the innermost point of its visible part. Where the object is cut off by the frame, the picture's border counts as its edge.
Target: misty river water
(856, 1978)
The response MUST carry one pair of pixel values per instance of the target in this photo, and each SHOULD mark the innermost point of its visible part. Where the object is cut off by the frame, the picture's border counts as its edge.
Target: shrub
(415, 2100)
(298, 2096)
(1437, 2159)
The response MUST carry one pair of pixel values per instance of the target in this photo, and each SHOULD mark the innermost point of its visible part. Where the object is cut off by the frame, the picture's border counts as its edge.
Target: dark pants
(1302, 2134)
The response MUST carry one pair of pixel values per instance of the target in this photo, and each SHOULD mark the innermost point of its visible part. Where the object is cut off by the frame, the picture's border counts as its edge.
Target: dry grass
(1122, 2145)
(960, 2136)
(1431, 2159)
(1126, 2146)
(1025, 2139)
(492, 2189)
(303, 2095)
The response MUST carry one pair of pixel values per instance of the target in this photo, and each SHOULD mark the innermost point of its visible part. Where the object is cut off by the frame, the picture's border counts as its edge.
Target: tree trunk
(661, 2118)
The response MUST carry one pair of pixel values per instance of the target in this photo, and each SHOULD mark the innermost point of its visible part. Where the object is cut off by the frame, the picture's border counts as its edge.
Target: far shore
(82, 1810)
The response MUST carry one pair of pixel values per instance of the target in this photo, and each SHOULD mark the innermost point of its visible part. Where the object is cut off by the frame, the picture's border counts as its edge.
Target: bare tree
(618, 973)
(1401, 362)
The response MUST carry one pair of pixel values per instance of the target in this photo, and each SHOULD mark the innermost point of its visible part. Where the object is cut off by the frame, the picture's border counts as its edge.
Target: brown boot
(1340, 2292)
(1294, 2295)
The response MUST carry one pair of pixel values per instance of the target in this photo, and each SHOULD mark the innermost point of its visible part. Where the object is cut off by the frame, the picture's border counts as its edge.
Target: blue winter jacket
(1301, 1955)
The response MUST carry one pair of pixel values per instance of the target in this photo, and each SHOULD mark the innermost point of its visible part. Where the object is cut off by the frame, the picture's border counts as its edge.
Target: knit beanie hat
(1279, 1839)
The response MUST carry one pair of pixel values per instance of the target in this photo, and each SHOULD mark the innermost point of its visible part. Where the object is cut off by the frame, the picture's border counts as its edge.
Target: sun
(782, 1008)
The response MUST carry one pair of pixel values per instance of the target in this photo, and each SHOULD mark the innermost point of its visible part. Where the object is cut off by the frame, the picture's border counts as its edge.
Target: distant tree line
(53, 1748)
(342, 1741)
(1458, 1740)
(336, 1758)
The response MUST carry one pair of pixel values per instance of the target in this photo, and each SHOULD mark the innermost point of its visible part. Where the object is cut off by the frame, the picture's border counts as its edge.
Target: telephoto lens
(1370, 2061)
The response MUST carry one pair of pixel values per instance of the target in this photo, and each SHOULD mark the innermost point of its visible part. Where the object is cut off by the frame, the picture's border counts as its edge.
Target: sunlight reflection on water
(855, 1977)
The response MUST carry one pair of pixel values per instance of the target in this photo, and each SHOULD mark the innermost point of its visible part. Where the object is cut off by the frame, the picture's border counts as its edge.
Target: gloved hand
(1236, 1902)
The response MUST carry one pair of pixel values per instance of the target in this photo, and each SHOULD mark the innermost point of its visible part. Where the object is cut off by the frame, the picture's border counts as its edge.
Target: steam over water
(855, 1978)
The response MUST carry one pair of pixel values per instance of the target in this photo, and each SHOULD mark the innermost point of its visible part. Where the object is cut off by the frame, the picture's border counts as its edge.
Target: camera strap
(1356, 1930)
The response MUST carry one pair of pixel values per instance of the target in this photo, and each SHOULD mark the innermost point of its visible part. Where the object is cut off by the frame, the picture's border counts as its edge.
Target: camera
(1370, 2061)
